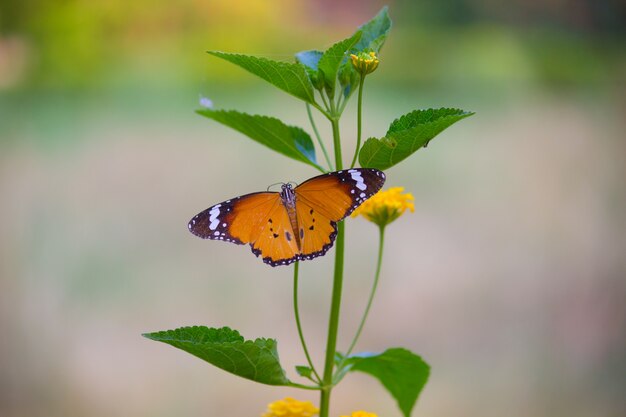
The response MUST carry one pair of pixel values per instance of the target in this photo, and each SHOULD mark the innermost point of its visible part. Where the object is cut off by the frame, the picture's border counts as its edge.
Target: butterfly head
(288, 194)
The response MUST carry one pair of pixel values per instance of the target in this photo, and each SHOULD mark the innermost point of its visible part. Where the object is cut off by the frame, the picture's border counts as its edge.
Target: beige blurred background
(509, 279)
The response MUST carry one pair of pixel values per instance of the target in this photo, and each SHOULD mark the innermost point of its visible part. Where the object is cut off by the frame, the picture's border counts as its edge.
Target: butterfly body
(288, 199)
(294, 224)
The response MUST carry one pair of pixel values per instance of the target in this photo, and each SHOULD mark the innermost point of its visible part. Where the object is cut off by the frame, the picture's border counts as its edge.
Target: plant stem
(336, 142)
(302, 386)
(298, 324)
(381, 243)
(344, 103)
(340, 104)
(358, 135)
(321, 110)
(333, 324)
(317, 135)
(328, 107)
(333, 321)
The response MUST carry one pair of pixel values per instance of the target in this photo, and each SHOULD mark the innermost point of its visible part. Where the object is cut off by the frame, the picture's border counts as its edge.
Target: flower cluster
(290, 407)
(361, 413)
(385, 206)
(364, 62)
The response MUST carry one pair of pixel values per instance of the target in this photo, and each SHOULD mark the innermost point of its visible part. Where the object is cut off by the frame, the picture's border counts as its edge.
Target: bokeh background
(509, 278)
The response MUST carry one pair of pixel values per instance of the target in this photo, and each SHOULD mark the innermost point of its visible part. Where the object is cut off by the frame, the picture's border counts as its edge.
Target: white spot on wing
(356, 177)
(213, 214)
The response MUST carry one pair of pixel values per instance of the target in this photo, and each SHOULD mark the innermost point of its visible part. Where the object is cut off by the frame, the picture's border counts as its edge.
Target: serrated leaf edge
(266, 344)
(380, 141)
(308, 87)
(454, 112)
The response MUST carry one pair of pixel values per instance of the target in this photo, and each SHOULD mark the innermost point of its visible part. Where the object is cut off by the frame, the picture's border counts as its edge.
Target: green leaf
(401, 372)
(226, 348)
(332, 58)
(291, 78)
(373, 36)
(374, 32)
(406, 135)
(291, 141)
(304, 371)
(310, 60)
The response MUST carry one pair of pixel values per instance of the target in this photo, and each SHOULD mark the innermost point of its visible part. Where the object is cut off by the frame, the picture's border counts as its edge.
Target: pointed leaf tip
(289, 77)
(225, 348)
(291, 141)
(375, 32)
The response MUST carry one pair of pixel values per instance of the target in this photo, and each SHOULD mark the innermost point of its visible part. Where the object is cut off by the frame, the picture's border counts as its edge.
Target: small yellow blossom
(289, 407)
(364, 62)
(385, 206)
(361, 413)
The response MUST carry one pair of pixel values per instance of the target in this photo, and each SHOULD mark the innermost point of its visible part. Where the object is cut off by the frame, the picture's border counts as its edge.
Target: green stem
(321, 110)
(333, 321)
(333, 324)
(340, 104)
(344, 103)
(336, 142)
(317, 135)
(358, 135)
(298, 323)
(381, 243)
(328, 107)
(301, 386)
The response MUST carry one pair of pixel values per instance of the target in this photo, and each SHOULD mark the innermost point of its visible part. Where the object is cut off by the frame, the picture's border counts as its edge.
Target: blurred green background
(510, 278)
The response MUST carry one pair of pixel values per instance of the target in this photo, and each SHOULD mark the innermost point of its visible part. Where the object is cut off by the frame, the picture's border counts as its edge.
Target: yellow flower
(364, 62)
(385, 206)
(289, 407)
(361, 413)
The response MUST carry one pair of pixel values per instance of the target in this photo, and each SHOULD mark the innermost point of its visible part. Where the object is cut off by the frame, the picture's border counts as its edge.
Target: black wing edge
(363, 183)
(371, 179)
(300, 257)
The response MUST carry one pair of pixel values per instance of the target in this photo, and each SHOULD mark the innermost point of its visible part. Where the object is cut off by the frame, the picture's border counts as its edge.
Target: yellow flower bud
(364, 63)
(290, 407)
(385, 206)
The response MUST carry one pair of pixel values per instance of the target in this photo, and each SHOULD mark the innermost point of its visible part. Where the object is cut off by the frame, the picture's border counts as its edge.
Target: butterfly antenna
(277, 183)
(295, 184)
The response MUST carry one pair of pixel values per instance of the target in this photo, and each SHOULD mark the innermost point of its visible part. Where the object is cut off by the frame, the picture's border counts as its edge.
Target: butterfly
(297, 223)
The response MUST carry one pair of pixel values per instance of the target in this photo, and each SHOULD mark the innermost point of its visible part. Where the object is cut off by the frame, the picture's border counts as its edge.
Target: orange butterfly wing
(276, 242)
(259, 219)
(337, 194)
(236, 220)
(317, 232)
(324, 200)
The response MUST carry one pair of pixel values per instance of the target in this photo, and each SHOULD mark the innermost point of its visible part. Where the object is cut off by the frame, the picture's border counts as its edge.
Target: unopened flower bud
(364, 62)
